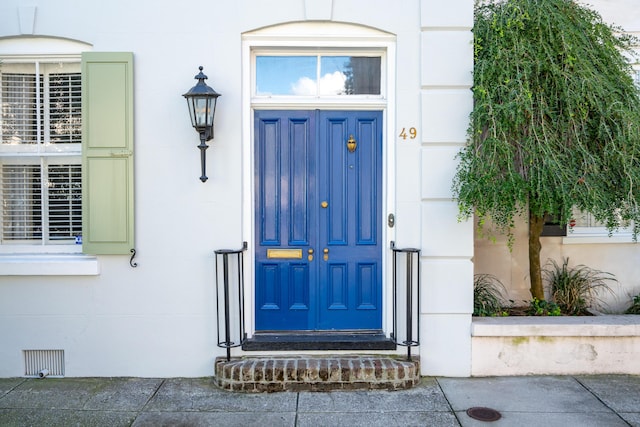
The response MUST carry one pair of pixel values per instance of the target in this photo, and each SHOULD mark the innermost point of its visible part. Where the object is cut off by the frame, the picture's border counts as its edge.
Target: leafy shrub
(574, 289)
(635, 306)
(543, 308)
(488, 296)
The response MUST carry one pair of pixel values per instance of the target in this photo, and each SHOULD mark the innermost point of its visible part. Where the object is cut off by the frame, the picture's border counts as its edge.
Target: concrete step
(316, 373)
(352, 342)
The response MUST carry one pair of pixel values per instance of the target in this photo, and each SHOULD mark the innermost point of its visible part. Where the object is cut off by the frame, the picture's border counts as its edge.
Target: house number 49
(413, 132)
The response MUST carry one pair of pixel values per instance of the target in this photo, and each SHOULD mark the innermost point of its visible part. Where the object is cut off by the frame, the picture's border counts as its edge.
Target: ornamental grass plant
(488, 296)
(575, 289)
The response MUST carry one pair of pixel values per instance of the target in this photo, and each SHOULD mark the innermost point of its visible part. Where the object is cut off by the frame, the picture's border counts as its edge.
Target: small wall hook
(133, 255)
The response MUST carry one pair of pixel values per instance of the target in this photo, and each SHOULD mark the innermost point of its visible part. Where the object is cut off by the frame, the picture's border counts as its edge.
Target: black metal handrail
(225, 301)
(412, 298)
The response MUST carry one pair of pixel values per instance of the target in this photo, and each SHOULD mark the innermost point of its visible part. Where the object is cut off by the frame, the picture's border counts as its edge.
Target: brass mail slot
(284, 253)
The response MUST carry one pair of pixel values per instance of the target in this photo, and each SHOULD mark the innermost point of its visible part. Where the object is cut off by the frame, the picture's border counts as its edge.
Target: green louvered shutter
(107, 153)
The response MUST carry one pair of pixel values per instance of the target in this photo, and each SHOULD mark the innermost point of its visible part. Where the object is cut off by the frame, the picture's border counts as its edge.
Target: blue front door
(318, 220)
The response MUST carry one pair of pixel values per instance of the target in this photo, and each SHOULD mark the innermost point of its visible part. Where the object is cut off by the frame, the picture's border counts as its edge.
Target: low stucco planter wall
(555, 345)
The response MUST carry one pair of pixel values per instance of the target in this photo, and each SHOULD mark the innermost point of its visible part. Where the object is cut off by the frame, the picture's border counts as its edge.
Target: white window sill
(578, 240)
(49, 265)
(597, 238)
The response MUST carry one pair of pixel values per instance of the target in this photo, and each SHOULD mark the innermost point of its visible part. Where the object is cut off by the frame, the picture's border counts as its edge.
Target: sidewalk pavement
(564, 401)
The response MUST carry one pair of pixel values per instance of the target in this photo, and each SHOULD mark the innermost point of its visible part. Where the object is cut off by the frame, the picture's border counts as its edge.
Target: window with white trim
(584, 225)
(40, 152)
(332, 73)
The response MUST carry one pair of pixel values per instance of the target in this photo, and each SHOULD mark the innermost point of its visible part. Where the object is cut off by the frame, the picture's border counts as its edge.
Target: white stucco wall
(159, 319)
(555, 346)
(446, 78)
(622, 13)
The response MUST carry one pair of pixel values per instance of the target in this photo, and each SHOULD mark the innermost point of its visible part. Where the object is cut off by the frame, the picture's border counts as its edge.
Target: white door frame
(326, 37)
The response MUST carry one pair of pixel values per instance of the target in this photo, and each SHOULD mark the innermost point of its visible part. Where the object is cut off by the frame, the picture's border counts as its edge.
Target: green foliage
(635, 306)
(543, 308)
(556, 118)
(575, 289)
(488, 297)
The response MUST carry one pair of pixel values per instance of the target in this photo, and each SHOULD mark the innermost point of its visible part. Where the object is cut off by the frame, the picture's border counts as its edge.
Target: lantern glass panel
(201, 110)
(211, 111)
(191, 111)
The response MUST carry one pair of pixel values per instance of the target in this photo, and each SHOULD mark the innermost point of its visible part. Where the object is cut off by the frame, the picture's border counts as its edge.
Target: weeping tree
(555, 123)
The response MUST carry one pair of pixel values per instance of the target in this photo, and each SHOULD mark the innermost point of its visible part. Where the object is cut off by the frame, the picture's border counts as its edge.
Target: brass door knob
(324, 204)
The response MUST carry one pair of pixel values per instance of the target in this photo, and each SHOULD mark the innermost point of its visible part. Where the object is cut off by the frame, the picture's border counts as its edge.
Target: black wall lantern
(201, 100)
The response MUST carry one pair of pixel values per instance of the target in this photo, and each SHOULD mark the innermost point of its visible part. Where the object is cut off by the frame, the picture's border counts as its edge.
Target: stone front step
(316, 373)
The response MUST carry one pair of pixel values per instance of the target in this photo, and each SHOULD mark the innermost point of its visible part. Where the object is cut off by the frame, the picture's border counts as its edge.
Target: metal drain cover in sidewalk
(483, 414)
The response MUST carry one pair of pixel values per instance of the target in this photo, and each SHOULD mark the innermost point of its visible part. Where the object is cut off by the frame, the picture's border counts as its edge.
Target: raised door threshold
(318, 341)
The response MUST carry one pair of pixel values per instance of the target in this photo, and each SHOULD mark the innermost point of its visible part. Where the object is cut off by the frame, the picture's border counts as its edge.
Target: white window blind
(41, 204)
(65, 108)
(21, 203)
(20, 112)
(40, 171)
(64, 198)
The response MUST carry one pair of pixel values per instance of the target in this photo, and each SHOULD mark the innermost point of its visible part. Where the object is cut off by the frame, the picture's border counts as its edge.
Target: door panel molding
(269, 158)
(302, 160)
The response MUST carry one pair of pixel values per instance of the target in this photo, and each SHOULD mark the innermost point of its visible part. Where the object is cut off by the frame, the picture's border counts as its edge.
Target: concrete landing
(270, 374)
